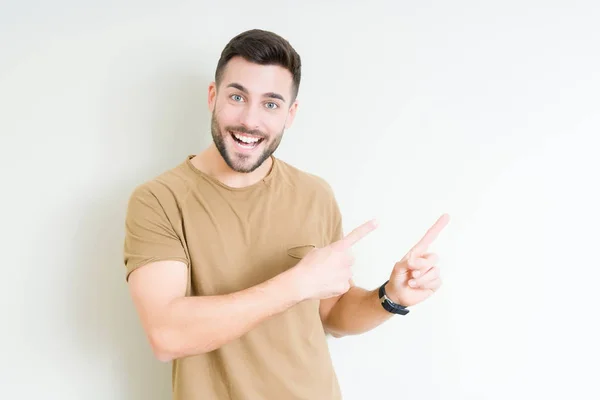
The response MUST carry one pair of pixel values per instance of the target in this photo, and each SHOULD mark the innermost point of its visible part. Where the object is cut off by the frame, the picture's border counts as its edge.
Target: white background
(486, 110)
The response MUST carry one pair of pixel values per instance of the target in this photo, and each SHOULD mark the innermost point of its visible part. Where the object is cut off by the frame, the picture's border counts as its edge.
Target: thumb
(406, 264)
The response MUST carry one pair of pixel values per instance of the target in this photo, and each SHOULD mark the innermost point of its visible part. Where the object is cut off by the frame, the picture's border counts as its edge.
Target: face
(250, 109)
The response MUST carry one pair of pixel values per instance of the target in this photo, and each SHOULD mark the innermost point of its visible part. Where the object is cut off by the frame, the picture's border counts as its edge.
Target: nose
(249, 118)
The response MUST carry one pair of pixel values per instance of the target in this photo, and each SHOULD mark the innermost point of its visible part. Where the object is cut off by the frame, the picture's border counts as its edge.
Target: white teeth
(246, 139)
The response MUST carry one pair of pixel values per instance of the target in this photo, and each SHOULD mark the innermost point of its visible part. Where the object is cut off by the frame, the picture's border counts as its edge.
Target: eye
(236, 97)
(272, 105)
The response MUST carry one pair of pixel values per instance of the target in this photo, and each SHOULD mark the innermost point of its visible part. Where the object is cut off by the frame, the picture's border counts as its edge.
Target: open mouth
(246, 141)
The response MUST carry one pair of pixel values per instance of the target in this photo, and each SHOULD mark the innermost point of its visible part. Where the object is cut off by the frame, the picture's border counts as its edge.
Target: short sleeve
(333, 214)
(337, 229)
(149, 232)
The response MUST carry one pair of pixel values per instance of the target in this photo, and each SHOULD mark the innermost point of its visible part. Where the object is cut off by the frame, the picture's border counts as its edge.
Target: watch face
(389, 305)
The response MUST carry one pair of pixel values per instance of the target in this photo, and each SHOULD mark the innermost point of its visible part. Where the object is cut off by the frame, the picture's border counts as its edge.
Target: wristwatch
(389, 305)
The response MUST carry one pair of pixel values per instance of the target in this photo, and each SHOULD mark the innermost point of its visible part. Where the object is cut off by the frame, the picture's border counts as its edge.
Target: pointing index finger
(432, 233)
(358, 233)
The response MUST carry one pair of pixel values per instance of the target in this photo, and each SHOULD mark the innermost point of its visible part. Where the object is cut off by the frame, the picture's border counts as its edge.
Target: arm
(355, 312)
(179, 326)
(175, 324)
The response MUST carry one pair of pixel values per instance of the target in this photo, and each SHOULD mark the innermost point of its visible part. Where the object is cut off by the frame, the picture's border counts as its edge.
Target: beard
(237, 161)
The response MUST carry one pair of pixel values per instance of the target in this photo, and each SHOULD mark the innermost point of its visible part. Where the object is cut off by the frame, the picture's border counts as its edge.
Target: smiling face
(251, 109)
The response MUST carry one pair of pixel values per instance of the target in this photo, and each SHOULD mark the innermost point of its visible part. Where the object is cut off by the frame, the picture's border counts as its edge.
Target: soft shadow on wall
(173, 122)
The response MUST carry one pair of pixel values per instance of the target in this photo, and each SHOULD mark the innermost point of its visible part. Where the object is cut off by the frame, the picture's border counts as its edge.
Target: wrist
(390, 292)
(292, 284)
(391, 304)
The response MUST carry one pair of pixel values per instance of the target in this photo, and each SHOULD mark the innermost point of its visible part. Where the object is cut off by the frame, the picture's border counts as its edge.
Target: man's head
(253, 98)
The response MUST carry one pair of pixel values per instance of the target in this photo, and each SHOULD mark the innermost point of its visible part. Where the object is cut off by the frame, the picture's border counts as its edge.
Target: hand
(326, 272)
(416, 276)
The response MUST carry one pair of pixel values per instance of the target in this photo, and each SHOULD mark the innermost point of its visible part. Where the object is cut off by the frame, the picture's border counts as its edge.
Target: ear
(212, 96)
(291, 114)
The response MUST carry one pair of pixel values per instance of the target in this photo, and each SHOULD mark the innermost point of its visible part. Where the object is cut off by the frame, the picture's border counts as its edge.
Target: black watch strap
(389, 305)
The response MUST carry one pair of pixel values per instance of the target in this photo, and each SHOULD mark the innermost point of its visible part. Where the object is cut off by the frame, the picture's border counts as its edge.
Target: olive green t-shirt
(232, 239)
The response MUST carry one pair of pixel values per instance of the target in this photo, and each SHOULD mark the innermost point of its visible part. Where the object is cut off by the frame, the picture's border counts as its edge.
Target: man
(236, 260)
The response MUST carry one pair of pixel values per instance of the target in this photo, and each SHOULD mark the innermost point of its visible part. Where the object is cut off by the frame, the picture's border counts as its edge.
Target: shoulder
(167, 188)
(317, 191)
(306, 181)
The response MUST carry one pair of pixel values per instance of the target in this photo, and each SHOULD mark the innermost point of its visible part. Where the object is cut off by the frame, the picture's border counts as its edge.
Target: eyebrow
(271, 95)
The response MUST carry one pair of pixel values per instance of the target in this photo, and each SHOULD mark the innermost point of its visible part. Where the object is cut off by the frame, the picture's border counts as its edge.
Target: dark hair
(265, 48)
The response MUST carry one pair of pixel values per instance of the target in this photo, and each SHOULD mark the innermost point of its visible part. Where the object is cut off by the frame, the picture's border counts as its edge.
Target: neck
(210, 162)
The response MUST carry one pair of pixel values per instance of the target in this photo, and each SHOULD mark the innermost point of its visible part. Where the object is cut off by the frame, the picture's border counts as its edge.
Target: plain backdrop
(488, 111)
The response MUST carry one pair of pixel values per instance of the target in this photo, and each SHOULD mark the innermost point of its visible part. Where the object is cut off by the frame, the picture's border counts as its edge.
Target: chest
(238, 242)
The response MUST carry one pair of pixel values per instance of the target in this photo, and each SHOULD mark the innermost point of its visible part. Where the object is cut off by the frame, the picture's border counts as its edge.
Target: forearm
(195, 325)
(356, 312)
